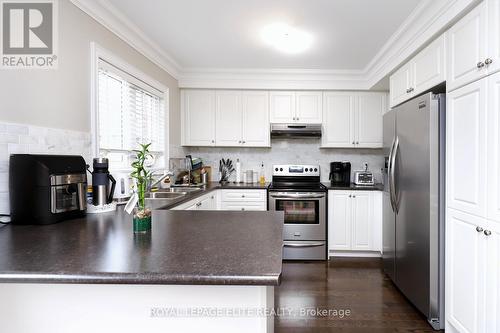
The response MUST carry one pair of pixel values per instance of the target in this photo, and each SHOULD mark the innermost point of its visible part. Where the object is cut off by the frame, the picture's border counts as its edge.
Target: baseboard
(355, 254)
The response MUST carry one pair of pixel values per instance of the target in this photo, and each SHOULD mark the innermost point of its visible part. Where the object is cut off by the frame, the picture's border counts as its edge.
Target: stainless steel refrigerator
(413, 229)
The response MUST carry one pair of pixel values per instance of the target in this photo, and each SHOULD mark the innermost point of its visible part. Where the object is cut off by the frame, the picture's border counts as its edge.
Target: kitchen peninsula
(192, 272)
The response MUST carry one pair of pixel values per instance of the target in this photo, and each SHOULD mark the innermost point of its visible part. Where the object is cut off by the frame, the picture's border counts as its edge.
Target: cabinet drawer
(243, 206)
(243, 195)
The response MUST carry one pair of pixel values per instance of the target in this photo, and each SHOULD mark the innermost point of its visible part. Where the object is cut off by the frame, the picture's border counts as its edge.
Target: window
(129, 112)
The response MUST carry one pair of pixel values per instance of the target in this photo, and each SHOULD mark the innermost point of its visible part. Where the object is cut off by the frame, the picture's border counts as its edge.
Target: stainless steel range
(297, 191)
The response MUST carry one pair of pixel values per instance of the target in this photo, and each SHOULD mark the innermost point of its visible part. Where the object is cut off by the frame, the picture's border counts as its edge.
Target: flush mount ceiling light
(285, 38)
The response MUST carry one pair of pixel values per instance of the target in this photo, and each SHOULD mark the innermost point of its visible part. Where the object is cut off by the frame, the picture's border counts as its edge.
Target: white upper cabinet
(296, 107)
(493, 150)
(229, 117)
(424, 71)
(256, 132)
(369, 119)
(198, 117)
(468, 48)
(428, 67)
(309, 106)
(282, 105)
(494, 33)
(466, 148)
(338, 120)
(225, 118)
(400, 84)
(353, 119)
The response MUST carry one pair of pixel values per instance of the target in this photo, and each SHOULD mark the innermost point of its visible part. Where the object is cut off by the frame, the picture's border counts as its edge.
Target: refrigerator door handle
(389, 171)
(392, 175)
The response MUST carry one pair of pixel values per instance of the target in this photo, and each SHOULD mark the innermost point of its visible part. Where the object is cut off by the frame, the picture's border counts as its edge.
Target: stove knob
(275, 169)
(307, 169)
(315, 169)
(281, 169)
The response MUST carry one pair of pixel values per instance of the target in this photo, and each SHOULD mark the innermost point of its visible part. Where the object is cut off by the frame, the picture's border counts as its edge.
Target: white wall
(61, 98)
(291, 151)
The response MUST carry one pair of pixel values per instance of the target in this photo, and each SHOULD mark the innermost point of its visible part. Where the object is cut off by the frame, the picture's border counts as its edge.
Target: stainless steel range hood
(296, 131)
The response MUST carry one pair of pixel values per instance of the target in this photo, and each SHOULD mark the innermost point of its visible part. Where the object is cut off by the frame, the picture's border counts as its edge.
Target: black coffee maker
(340, 173)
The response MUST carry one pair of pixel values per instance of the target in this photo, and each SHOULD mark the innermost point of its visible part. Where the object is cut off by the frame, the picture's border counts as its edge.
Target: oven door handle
(298, 196)
(304, 244)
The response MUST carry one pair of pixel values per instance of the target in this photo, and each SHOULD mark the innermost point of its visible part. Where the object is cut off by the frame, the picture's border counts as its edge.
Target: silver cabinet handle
(243, 141)
(487, 233)
(303, 245)
(409, 90)
(198, 204)
(479, 229)
(480, 65)
(488, 61)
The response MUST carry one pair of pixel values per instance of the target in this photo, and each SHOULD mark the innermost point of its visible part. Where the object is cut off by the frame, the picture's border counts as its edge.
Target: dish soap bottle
(262, 178)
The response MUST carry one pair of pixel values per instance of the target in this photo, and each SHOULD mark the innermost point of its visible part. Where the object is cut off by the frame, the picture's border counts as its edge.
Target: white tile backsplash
(291, 151)
(26, 139)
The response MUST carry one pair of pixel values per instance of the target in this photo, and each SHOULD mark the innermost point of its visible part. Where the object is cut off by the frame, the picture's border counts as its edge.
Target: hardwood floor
(342, 284)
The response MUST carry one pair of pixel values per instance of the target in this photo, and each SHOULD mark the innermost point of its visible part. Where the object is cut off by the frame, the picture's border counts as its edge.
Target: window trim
(96, 53)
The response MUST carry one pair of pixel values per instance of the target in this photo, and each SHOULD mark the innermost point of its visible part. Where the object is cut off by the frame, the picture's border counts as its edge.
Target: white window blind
(129, 112)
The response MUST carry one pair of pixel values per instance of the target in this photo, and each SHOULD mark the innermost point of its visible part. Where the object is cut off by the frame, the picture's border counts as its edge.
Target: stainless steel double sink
(164, 197)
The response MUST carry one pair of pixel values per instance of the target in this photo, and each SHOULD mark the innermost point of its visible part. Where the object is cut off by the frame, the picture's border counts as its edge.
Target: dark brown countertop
(352, 187)
(184, 247)
(207, 189)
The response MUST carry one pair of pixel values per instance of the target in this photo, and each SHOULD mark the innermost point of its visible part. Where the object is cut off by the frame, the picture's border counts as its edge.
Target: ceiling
(225, 34)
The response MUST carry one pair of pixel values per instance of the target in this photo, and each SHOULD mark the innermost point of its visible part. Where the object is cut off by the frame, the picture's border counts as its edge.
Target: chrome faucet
(166, 173)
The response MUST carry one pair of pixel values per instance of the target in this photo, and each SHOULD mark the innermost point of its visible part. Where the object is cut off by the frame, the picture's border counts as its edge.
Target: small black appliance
(340, 173)
(45, 189)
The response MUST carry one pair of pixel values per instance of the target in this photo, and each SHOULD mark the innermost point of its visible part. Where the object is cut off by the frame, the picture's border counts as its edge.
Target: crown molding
(114, 20)
(427, 21)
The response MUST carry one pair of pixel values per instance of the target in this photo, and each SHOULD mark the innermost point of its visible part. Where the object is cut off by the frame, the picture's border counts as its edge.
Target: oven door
(305, 214)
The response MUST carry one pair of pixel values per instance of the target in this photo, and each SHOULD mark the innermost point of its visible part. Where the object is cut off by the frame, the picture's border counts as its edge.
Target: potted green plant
(142, 214)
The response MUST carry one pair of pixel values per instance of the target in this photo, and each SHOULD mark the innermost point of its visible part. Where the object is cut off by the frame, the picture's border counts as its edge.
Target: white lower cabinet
(228, 200)
(243, 199)
(354, 222)
(205, 202)
(465, 272)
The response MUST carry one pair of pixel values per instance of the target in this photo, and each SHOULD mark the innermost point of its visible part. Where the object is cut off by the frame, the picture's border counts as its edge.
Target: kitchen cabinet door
(282, 106)
(428, 67)
(198, 117)
(493, 149)
(361, 221)
(492, 277)
(465, 269)
(339, 220)
(369, 111)
(309, 105)
(256, 130)
(338, 120)
(207, 202)
(229, 115)
(494, 35)
(466, 148)
(467, 48)
(400, 83)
